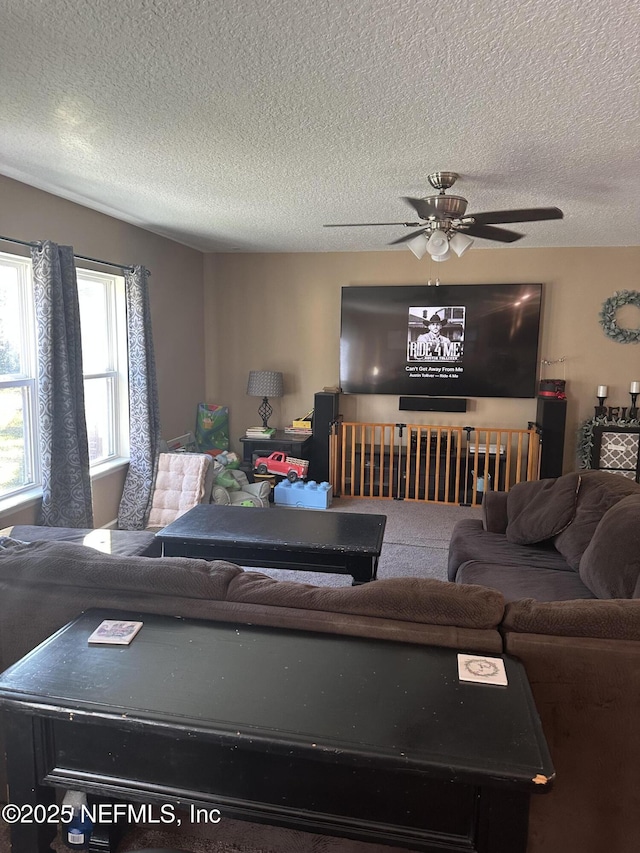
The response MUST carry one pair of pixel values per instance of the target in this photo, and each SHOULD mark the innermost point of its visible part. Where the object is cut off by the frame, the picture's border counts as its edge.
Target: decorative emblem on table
(482, 670)
(480, 666)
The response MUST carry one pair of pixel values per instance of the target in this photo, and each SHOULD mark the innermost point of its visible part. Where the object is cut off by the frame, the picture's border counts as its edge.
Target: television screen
(455, 340)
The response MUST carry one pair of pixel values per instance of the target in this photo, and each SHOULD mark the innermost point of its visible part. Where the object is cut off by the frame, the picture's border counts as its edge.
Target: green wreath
(608, 316)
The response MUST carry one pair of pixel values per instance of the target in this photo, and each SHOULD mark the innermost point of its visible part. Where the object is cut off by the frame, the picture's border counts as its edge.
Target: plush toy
(224, 478)
(232, 487)
(228, 459)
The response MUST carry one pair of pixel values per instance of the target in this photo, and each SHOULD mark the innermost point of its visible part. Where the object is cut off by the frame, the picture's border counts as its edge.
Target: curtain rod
(77, 257)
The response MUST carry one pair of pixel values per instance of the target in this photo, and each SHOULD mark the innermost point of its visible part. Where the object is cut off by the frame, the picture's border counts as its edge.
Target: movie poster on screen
(436, 334)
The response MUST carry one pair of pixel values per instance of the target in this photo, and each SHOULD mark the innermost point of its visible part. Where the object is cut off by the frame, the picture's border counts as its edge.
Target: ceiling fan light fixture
(460, 243)
(438, 244)
(418, 245)
(444, 257)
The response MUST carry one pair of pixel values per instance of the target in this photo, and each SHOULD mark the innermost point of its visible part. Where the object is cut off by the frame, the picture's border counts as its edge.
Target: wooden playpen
(437, 464)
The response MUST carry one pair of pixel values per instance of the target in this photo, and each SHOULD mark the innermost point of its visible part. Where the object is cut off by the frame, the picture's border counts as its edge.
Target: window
(102, 321)
(19, 464)
(102, 315)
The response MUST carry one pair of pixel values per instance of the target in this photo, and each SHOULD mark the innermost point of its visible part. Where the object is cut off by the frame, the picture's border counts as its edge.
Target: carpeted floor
(231, 836)
(415, 544)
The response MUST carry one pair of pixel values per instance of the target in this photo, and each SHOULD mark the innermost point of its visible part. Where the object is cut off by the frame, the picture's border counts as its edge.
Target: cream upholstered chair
(183, 480)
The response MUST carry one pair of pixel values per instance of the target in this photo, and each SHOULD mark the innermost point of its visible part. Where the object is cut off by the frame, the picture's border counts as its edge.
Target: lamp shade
(265, 383)
(460, 243)
(438, 244)
(418, 245)
(444, 257)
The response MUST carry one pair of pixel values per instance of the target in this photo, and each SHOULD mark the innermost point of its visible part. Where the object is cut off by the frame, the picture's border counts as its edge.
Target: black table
(360, 738)
(347, 543)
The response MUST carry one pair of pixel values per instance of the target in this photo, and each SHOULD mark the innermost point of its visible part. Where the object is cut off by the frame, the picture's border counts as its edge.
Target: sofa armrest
(494, 512)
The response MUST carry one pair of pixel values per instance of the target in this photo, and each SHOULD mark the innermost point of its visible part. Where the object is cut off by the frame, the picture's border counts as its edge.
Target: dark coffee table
(365, 739)
(346, 543)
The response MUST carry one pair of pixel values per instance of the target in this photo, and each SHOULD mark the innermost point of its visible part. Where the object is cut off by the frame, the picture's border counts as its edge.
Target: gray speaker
(432, 404)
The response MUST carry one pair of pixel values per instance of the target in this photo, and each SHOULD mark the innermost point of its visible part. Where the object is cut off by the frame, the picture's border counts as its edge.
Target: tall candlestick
(634, 388)
(601, 394)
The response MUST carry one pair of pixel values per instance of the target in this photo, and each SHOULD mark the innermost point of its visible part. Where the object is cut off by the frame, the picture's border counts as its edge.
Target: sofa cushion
(599, 491)
(516, 582)
(610, 566)
(540, 509)
(494, 511)
(181, 483)
(607, 620)
(72, 565)
(469, 541)
(423, 600)
(120, 543)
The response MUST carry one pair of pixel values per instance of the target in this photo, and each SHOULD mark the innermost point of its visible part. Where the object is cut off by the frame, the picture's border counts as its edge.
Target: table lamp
(265, 384)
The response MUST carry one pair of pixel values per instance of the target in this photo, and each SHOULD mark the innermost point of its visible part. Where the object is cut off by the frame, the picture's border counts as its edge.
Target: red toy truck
(279, 463)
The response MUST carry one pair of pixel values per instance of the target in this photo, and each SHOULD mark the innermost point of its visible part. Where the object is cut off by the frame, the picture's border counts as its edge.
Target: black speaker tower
(551, 418)
(325, 412)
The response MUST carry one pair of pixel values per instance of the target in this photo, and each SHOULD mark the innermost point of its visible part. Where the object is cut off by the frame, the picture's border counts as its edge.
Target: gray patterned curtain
(64, 450)
(144, 417)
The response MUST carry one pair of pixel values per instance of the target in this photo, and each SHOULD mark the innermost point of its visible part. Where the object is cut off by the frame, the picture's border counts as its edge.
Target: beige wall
(176, 296)
(282, 312)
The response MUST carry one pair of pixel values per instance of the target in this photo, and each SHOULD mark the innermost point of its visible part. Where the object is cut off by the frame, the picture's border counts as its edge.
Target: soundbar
(433, 404)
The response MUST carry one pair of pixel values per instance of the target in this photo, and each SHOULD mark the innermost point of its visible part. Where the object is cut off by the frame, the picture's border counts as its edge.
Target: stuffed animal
(224, 478)
(231, 487)
(228, 459)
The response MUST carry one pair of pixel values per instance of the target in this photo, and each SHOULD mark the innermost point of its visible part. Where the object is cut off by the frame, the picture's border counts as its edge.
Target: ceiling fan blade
(408, 236)
(488, 232)
(529, 214)
(422, 206)
(360, 224)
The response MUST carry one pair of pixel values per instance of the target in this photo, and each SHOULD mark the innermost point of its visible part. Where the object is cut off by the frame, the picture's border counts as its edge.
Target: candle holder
(601, 401)
(634, 397)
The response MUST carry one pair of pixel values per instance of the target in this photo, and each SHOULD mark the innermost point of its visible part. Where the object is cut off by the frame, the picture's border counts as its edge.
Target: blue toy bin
(310, 495)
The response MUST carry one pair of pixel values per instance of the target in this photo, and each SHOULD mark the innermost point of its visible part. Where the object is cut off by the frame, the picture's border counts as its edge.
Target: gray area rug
(416, 540)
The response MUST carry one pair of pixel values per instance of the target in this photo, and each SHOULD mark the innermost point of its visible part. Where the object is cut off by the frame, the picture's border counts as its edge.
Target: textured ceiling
(247, 124)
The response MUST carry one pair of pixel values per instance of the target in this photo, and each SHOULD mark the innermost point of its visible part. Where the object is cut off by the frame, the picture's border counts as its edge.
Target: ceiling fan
(444, 223)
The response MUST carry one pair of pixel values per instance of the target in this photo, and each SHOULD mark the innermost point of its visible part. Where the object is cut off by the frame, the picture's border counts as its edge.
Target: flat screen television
(455, 340)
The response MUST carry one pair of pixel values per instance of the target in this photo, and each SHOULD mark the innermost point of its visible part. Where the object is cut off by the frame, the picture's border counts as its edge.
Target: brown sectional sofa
(581, 652)
(554, 540)
(565, 554)
(43, 585)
